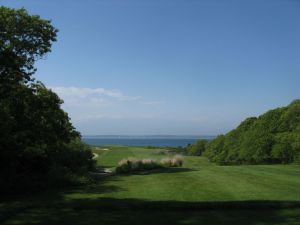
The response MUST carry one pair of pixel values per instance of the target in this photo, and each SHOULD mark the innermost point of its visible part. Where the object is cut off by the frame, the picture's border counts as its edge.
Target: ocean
(153, 140)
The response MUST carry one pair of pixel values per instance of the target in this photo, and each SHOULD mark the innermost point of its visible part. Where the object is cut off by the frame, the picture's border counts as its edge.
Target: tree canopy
(37, 138)
(23, 39)
(273, 137)
(197, 148)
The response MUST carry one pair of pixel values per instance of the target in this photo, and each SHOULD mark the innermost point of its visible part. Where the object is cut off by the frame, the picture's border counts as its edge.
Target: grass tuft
(132, 165)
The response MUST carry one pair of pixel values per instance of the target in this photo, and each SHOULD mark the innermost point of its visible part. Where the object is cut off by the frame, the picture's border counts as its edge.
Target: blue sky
(170, 66)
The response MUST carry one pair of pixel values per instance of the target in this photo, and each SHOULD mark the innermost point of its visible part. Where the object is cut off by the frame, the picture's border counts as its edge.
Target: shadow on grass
(162, 170)
(133, 211)
(99, 187)
(54, 208)
(138, 204)
(12, 205)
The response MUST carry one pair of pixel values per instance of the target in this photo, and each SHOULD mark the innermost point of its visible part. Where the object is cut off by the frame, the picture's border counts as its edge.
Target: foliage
(177, 150)
(170, 150)
(197, 148)
(176, 161)
(273, 137)
(37, 138)
(23, 40)
(132, 165)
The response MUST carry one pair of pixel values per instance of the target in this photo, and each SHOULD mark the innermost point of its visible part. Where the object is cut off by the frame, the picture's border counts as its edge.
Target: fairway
(199, 192)
(198, 180)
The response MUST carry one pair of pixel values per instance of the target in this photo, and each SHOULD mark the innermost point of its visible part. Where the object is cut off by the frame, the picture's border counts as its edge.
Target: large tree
(36, 135)
(23, 40)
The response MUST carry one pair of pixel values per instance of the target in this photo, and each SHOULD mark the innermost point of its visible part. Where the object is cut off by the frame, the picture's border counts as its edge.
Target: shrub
(197, 148)
(166, 162)
(176, 161)
(133, 165)
(149, 164)
(124, 166)
(136, 164)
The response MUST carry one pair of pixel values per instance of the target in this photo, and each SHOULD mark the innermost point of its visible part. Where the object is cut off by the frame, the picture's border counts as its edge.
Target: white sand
(95, 155)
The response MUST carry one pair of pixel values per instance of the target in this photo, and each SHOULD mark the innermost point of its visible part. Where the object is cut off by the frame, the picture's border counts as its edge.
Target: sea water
(153, 140)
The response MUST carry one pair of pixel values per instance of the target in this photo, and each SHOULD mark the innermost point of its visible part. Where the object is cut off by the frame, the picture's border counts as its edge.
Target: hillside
(273, 137)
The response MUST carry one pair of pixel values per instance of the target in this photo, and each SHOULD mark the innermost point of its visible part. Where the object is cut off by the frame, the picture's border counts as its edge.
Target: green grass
(110, 158)
(197, 193)
(199, 180)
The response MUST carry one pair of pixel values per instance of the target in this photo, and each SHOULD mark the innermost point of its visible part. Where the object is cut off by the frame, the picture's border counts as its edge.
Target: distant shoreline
(196, 137)
(155, 141)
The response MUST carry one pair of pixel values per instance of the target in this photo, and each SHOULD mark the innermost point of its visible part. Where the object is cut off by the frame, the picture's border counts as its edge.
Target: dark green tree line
(273, 137)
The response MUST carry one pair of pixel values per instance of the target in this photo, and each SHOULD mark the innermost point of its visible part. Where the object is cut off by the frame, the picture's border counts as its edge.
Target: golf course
(199, 191)
(149, 112)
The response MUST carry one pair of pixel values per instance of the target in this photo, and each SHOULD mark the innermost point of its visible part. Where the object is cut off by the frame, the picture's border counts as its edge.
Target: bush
(133, 165)
(46, 168)
(176, 161)
(166, 162)
(197, 148)
(149, 164)
(124, 166)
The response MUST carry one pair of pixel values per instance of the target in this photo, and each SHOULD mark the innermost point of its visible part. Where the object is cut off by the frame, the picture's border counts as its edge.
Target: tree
(23, 40)
(271, 138)
(37, 138)
(197, 148)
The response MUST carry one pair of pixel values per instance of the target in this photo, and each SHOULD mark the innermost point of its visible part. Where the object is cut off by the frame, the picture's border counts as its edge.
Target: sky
(178, 67)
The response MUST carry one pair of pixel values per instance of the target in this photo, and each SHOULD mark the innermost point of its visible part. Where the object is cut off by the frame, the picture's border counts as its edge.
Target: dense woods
(39, 147)
(273, 137)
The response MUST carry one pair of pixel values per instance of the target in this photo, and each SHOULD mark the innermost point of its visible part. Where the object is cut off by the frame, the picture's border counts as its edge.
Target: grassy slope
(200, 180)
(110, 201)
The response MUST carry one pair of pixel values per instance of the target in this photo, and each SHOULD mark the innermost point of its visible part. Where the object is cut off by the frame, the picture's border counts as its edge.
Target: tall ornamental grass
(134, 165)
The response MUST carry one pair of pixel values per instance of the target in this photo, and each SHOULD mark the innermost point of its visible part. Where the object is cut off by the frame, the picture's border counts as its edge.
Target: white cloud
(94, 93)
(94, 104)
(101, 117)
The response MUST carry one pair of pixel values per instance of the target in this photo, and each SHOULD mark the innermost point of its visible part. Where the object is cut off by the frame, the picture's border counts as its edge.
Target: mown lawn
(199, 180)
(197, 193)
